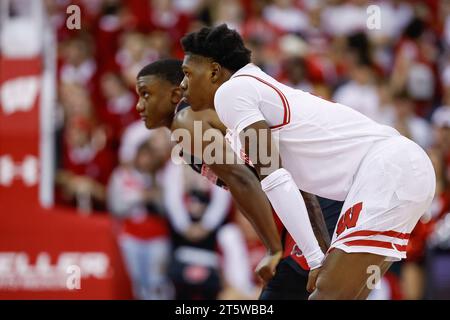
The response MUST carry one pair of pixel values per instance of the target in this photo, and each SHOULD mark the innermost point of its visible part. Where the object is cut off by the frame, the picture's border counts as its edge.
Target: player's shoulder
(188, 119)
(245, 82)
(234, 89)
(240, 77)
(182, 118)
(236, 84)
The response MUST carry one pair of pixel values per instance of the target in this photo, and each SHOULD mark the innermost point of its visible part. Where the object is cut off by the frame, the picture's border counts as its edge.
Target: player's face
(156, 101)
(198, 83)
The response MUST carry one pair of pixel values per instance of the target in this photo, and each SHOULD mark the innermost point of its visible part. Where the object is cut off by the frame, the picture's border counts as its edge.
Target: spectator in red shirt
(86, 165)
(119, 109)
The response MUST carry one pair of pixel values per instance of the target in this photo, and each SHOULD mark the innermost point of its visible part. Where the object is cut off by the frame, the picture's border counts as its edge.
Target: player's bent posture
(385, 180)
(160, 105)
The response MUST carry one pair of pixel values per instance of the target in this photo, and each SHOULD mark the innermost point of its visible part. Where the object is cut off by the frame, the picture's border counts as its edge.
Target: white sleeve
(290, 207)
(217, 208)
(237, 104)
(173, 186)
(236, 263)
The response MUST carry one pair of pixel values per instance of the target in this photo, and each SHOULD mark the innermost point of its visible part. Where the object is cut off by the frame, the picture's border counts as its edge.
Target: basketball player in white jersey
(386, 181)
(160, 104)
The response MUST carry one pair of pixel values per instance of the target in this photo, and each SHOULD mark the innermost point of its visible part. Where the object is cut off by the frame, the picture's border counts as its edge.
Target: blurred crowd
(397, 73)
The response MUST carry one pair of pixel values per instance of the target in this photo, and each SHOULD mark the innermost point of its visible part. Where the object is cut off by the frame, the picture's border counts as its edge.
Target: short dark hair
(220, 43)
(167, 69)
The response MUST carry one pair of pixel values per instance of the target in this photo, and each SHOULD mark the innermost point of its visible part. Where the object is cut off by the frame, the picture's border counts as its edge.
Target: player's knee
(330, 295)
(320, 295)
(324, 292)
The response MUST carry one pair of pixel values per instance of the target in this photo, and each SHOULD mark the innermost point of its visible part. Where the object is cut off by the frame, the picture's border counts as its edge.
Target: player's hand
(266, 267)
(312, 279)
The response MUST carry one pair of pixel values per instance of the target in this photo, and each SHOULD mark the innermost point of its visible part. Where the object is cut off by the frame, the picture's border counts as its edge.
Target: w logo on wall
(19, 94)
(27, 170)
(21, 91)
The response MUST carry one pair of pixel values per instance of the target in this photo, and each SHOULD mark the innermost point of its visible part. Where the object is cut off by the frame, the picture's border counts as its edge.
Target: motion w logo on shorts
(349, 219)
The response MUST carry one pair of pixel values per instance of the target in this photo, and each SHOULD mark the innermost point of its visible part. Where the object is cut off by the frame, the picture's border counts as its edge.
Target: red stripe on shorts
(367, 233)
(375, 243)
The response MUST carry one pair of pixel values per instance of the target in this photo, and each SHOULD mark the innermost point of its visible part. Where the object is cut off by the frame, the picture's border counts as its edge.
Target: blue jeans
(146, 262)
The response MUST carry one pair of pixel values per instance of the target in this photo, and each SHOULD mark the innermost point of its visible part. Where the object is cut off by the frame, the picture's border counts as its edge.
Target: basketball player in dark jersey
(285, 270)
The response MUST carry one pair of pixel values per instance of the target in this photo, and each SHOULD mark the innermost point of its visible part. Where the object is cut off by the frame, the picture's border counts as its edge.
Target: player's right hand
(267, 266)
(312, 279)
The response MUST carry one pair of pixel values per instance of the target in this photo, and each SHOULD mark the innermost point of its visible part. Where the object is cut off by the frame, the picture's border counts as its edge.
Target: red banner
(53, 253)
(20, 82)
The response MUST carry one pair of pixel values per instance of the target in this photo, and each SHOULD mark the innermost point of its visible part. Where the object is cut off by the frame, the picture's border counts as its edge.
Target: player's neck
(168, 125)
(176, 108)
(226, 75)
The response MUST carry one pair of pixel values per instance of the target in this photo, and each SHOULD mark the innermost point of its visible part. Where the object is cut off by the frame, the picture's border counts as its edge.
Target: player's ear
(176, 95)
(215, 72)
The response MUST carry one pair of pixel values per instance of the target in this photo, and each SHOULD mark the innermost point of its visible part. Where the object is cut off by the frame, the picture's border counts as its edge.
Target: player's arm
(242, 183)
(237, 104)
(282, 191)
(317, 221)
(312, 204)
(246, 190)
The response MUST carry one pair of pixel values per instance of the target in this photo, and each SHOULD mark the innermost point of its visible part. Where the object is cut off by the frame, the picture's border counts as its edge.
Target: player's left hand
(266, 267)
(312, 279)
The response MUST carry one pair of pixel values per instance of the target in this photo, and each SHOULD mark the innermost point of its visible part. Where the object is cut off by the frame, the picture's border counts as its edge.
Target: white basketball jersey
(321, 143)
